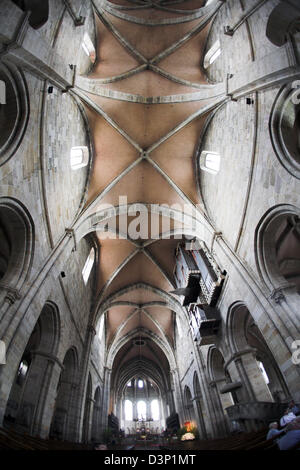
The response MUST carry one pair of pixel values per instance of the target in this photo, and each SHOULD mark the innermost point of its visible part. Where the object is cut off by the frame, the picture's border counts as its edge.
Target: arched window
(277, 246)
(128, 410)
(39, 11)
(79, 157)
(155, 410)
(285, 127)
(212, 54)
(14, 110)
(210, 162)
(88, 266)
(283, 20)
(101, 327)
(263, 371)
(141, 409)
(22, 372)
(88, 47)
(140, 383)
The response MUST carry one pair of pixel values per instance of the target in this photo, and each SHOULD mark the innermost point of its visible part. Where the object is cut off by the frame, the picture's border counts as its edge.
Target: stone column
(251, 376)
(177, 396)
(134, 409)
(199, 416)
(105, 397)
(208, 409)
(148, 409)
(87, 424)
(27, 48)
(46, 402)
(95, 423)
(83, 376)
(221, 421)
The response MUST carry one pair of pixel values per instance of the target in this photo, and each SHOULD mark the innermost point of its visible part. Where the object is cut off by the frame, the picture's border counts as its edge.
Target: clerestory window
(212, 55)
(88, 266)
(79, 157)
(210, 162)
(128, 410)
(140, 383)
(88, 47)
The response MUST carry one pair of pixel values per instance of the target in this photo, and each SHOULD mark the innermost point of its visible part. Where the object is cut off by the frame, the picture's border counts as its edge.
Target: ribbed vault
(147, 99)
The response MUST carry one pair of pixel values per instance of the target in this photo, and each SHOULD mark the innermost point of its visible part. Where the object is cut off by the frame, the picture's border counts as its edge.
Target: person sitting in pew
(291, 440)
(273, 431)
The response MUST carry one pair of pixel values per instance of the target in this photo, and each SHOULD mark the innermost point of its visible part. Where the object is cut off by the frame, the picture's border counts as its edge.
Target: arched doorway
(96, 416)
(16, 245)
(200, 408)
(264, 376)
(26, 407)
(221, 401)
(63, 421)
(189, 407)
(263, 391)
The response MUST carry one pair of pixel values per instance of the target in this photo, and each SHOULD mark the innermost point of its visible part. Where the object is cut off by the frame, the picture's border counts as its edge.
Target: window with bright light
(79, 157)
(140, 383)
(263, 371)
(155, 410)
(88, 47)
(22, 372)
(128, 410)
(88, 266)
(129, 384)
(210, 162)
(212, 54)
(141, 410)
(101, 326)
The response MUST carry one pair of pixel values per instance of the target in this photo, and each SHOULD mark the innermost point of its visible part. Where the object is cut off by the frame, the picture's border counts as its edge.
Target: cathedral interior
(125, 310)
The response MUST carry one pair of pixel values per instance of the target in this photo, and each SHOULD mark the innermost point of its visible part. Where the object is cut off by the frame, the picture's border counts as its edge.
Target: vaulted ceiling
(147, 99)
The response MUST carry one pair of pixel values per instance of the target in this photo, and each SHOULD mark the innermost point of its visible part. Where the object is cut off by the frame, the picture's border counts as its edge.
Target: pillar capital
(277, 295)
(12, 294)
(48, 357)
(91, 329)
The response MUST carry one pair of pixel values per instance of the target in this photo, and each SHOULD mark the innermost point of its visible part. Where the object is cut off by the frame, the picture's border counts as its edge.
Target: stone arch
(170, 301)
(283, 21)
(14, 110)
(284, 127)
(221, 401)
(277, 248)
(216, 363)
(99, 215)
(39, 11)
(63, 420)
(27, 405)
(188, 405)
(17, 245)
(245, 338)
(164, 346)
